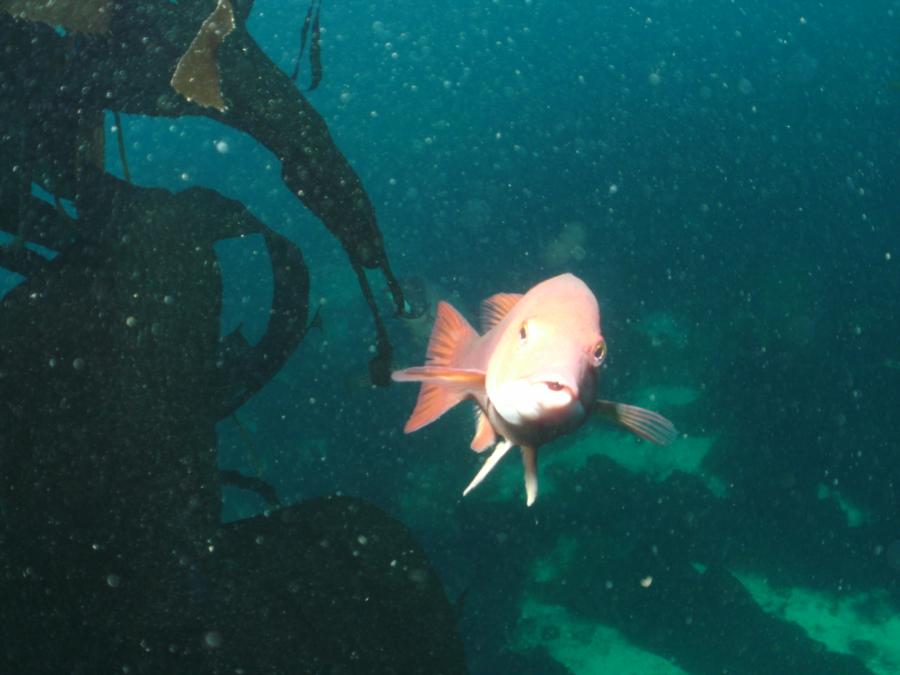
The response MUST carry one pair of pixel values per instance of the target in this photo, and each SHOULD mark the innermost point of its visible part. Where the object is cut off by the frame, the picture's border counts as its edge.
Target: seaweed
(113, 375)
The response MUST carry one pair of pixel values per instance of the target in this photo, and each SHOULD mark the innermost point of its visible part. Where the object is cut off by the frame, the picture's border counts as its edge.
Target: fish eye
(523, 331)
(554, 386)
(600, 352)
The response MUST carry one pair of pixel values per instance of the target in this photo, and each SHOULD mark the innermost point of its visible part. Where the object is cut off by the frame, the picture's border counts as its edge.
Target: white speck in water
(745, 86)
(654, 79)
(222, 147)
(113, 580)
(213, 639)
(647, 581)
(78, 363)
(131, 322)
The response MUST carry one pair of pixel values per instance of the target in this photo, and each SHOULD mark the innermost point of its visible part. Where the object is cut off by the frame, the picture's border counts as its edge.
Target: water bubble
(654, 79)
(131, 322)
(113, 580)
(213, 639)
(78, 363)
(222, 147)
(744, 86)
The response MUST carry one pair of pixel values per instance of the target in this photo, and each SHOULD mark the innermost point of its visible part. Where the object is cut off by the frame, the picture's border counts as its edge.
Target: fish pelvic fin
(641, 422)
(501, 449)
(484, 432)
(529, 463)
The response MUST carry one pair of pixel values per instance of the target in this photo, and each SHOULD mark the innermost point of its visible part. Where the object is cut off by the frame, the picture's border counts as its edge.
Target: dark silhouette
(113, 376)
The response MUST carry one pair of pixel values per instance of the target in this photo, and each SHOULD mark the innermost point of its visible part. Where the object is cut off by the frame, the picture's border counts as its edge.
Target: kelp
(80, 16)
(113, 377)
(311, 21)
(196, 74)
(131, 68)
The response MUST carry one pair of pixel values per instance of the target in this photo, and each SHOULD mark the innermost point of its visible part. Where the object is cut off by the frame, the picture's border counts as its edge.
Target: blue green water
(726, 177)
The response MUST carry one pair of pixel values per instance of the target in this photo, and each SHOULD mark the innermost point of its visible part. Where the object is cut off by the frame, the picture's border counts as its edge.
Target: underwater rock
(337, 582)
(333, 585)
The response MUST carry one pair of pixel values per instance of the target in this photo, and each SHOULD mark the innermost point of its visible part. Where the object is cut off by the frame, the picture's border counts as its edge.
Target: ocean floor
(863, 625)
(584, 648)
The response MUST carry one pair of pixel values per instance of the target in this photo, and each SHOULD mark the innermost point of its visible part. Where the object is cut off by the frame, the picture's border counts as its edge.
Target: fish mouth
(553, 385)
(556, 385)
(556, 395)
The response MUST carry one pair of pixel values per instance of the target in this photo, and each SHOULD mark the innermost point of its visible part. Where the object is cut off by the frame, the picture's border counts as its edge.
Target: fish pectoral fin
(484, 432)
(501, 449)
(529, 461)
(641, 422)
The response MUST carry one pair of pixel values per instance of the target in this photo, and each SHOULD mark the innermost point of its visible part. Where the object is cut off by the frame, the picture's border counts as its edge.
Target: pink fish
(532, 374)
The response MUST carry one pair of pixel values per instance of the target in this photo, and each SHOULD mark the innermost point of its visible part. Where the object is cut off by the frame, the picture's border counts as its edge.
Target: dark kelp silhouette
(113, 376)
(315, 49)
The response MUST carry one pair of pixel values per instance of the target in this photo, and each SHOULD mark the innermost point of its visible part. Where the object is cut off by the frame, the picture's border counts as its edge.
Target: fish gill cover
(724, 177)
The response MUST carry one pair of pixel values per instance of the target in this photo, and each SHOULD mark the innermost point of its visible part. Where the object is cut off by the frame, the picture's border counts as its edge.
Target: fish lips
(538, 398)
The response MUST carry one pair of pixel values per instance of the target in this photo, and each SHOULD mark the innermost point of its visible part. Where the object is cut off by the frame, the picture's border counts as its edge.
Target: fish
(532, 374)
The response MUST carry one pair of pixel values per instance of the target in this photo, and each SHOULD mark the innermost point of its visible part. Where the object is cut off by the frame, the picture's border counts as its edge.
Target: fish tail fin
(450, 335)
(435, 398)
(444, 384)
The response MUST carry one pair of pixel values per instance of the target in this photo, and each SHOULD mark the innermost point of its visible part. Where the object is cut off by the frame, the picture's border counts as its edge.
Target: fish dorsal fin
(484, 432)
(496, 307)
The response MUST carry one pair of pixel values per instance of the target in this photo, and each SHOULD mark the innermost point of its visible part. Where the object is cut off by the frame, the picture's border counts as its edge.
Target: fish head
(543, 373)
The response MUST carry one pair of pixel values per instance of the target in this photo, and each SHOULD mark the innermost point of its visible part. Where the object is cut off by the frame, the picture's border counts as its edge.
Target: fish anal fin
(496, 307)
(484, 432)
(646, 424)
(450, 335)
(529, 463)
